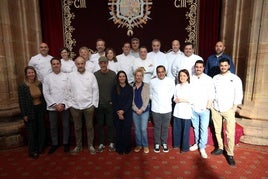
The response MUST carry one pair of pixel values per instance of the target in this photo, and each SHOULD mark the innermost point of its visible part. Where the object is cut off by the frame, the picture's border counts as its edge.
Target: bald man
(41, 62)
(212, 65)
(83, 98)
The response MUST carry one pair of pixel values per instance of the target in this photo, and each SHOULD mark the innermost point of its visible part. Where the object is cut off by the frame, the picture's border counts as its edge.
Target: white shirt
(42, 65)
(228, 91)
(135, 54)
(161, 92)
(186, 63)
(113, 66)
(90, 66)
(125, 63)
(148, 65)
(159, 58)
(54, 89)
(202, 91)
(95, 59)
(173, 57)
(183, 110)
(67, 66)
(82, 90)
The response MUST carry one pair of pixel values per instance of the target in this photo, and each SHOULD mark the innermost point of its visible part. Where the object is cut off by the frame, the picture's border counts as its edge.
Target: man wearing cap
(104, 112)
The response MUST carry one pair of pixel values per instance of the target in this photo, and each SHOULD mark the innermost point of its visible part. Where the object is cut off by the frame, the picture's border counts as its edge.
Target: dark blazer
(25, 101)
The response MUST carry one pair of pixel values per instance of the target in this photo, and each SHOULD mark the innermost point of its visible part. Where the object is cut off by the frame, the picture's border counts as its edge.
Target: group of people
(118, 91)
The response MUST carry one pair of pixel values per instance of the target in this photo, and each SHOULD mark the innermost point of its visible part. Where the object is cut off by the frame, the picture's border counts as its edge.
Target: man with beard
(228, 94)
(212, 65)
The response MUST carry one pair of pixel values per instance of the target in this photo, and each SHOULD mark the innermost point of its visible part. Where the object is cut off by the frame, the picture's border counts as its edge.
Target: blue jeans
(140, 123)
(181, 133)
(200, 121)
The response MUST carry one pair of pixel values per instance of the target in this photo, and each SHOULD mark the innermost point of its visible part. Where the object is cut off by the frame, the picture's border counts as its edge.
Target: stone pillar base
(254, 110)
(255, 131)
(10, 134)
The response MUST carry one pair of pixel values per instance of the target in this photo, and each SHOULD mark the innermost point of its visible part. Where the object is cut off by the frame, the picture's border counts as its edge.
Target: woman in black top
(122, 97)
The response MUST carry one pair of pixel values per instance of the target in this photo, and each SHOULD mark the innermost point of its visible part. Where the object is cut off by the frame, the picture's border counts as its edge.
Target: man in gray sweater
(104, 113)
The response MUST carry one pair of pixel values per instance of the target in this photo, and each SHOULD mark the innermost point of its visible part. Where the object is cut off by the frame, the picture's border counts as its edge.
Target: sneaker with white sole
(193, 147)
(137, 148)
(76, 150)
(111, 147)
(146, 150)
(101, 148)
(165, 148)
(203, 153)
(92, 150)
(156, 148)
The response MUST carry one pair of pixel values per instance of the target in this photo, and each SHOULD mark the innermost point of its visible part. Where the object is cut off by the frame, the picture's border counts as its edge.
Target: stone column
(20, 33)
(244, 30)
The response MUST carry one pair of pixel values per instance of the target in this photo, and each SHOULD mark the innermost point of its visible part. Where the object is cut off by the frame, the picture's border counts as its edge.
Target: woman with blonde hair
(140, 107)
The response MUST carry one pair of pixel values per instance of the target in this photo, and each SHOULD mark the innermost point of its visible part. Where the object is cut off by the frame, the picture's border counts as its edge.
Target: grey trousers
(53, 119)
(161, 123)
(77, 118)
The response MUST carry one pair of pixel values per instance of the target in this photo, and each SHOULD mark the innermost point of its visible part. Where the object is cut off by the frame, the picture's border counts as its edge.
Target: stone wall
(20, 33)
(245, 35)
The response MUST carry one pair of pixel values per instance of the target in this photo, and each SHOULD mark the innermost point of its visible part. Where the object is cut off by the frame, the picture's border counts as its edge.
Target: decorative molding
(130, 13)
(140, 17)
(192, 15)
(69, 41)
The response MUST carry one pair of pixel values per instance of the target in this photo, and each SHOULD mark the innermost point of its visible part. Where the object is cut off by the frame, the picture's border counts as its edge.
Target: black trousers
(36, 131)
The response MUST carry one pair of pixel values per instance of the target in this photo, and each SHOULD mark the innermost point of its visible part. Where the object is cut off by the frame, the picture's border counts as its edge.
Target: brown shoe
(146, 150)
(137, 149)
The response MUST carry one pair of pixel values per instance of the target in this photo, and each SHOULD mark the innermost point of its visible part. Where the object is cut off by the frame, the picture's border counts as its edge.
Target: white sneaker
(165, 148)
(111, 147)
(76, 150)
(92, 150)
(193, 147)
(100, 148)
(203, 153)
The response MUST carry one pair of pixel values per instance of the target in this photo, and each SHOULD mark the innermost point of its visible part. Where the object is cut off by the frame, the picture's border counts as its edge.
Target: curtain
(51, 23)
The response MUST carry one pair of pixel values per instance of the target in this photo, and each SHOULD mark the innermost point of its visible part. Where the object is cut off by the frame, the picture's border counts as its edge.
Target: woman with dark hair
(67, 64)
(122, 96)
(32, 106)
(111, 56)
(182, 111)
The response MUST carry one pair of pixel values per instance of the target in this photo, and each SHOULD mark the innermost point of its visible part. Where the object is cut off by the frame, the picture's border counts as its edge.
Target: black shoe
(230, 160)
(34, 155)
(184, 151)
(66, 148)
(52, 149)
(217, 152)
(41, 151)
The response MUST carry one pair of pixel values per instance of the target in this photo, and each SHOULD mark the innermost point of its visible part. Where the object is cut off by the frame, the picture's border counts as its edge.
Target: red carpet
(251, 162)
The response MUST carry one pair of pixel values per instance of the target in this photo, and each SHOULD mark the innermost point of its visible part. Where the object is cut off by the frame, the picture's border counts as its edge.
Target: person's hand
(177, 100)
(25, 118)
(59, 107)
(139, 111)
(234, 108)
